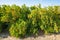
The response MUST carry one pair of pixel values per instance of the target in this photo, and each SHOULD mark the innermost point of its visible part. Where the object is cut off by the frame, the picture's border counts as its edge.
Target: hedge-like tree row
(22, 21)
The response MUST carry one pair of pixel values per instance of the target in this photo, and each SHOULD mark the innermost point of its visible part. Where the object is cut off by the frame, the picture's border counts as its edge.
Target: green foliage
(0, 26)
(34, 17)
(25, 20)
(49, 24)
(18, 29)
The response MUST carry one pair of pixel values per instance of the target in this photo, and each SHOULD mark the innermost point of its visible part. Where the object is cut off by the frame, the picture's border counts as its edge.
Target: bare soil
(5, 36)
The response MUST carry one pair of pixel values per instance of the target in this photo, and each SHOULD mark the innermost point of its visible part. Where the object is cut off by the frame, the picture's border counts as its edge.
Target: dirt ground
(5, 36)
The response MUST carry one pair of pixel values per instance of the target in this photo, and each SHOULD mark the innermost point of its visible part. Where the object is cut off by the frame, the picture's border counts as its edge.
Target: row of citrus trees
(32, 20)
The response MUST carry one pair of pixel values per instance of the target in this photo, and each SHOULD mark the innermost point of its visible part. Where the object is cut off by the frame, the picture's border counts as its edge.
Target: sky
(44, 3)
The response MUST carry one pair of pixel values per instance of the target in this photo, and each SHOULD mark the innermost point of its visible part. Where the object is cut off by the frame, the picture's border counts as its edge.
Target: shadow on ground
(4, 34)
